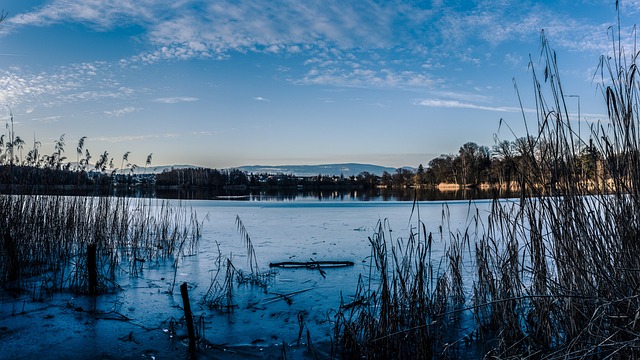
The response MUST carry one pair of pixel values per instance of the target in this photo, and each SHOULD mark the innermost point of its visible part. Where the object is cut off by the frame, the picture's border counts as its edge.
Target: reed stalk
(556, 271)
(50, 235)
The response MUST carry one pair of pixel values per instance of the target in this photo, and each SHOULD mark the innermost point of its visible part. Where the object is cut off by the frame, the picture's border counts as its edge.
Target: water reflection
(267, 195)
(334, 195)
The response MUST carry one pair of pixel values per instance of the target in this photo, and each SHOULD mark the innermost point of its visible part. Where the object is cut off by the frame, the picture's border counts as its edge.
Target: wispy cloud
(47, 119)
(630, 7)
(202, 133)
(461, 105)
(123, 111)
(456, 104)
(175, 100)
(363, 77)
(326, 100)
(260, 98)
(329, 34)
(56, 86)
(127, 138)
(119, 93)
(464, 96)
(276, 26)
(17, 85)
(497, 22)
(514, 59)
(99, 14)
(182, 29)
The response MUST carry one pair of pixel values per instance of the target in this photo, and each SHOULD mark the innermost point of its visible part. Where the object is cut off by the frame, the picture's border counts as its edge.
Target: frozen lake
(300, 231)
(297, 230)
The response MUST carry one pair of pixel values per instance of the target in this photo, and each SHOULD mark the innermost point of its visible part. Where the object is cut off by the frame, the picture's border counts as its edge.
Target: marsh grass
(555, 273)
(394, 311)
(559, 268)
(219, 295)
(46, 239)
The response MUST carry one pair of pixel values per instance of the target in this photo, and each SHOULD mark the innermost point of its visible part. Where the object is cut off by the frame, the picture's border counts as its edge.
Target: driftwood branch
(311, 264)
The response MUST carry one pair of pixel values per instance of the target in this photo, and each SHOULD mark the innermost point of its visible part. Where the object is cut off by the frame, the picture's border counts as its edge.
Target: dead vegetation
(555, 273)
(45, 239)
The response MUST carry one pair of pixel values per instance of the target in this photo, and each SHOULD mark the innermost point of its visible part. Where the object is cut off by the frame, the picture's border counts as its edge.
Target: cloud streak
(127, 138)
(184, 29)
(462, 105)
(356, 74)
(342, 44)
(175, 100)
(98, 14)
(62, 85)
(122, 112)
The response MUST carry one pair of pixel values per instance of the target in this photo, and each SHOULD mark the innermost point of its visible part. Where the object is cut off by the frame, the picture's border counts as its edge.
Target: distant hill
(152, 169)
(348, 169)
(163, 168)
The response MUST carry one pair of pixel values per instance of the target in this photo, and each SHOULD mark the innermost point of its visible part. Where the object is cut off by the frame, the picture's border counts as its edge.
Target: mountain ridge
(346, 169)
(335, 169)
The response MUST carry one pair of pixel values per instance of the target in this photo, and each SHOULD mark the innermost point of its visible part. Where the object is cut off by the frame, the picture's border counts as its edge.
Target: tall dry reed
(408, 305)
(46, 238)
(556, 272)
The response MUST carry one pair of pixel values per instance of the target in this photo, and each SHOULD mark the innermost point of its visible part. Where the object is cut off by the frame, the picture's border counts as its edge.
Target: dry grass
(46, 239)
(219, 296)
(562, 262)
(557, 271)
(398, 311)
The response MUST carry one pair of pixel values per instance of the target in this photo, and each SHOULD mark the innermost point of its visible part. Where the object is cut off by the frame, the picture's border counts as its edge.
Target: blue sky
(231, 83)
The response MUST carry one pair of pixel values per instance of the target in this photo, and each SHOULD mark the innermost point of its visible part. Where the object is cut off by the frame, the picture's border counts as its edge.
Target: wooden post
(188, 316)
(92, 269)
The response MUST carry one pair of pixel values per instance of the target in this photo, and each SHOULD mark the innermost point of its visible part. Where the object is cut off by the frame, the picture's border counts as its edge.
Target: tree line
(507, 163)
(504, 164)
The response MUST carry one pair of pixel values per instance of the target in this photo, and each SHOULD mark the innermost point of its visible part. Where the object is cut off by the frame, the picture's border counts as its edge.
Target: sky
(231, 83)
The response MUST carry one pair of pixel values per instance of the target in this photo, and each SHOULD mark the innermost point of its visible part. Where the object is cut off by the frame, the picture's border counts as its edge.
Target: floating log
(311, 264)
